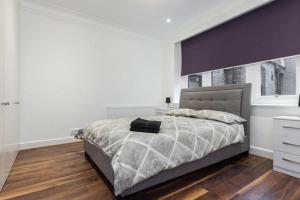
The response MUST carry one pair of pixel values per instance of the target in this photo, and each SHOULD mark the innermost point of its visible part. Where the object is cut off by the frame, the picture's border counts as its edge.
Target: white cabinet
(9, 98)
(287, 145)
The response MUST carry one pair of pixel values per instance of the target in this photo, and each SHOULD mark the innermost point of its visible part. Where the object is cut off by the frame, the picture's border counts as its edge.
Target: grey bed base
(230, 98)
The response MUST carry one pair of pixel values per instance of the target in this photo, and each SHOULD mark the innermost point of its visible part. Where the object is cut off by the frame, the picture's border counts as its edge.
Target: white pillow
(183, 112)
(220, 116)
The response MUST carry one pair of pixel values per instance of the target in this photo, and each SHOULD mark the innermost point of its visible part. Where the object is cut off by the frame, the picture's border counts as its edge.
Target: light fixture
(168, 20)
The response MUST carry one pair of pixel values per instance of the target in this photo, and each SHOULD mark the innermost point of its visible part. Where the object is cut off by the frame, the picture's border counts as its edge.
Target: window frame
(228, 68)
(253, 71)
(253, 76)
(199, 75)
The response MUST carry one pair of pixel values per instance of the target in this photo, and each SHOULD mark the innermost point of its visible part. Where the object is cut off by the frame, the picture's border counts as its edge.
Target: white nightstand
(287, 145)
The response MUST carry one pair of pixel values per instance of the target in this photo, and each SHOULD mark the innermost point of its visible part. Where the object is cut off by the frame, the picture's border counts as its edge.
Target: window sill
(273, 105)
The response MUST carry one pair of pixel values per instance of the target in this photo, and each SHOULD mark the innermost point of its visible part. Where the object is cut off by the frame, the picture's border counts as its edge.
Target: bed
(230, 98)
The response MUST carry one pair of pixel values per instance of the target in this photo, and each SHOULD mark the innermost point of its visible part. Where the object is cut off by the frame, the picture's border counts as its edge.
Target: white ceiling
(147, 17)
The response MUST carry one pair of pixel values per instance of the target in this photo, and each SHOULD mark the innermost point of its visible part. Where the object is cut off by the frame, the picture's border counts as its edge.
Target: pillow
(220, 116)
(183, 112)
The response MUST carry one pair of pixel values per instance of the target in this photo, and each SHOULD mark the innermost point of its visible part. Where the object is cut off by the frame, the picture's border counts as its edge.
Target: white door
(1, 94)
(10, 85)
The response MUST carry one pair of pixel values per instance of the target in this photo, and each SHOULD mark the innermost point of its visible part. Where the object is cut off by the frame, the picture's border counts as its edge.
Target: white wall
(72, 69)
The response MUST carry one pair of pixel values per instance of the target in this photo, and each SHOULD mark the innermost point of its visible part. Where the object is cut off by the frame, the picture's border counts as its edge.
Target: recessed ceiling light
(168, 20)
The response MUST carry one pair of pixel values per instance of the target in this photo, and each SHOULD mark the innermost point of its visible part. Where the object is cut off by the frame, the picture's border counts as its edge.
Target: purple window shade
(269, 32)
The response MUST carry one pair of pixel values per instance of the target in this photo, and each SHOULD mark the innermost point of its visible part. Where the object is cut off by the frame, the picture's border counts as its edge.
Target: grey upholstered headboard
(229, 98)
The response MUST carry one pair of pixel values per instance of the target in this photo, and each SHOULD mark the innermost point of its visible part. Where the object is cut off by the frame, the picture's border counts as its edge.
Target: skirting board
(262, 152)
(43, 143)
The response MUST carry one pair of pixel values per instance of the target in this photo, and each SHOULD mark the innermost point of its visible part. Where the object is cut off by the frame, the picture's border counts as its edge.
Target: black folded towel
(142, 125)
(146, 130)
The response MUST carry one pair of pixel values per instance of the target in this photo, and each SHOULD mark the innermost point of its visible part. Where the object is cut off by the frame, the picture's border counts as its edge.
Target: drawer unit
(286, 143)
(287, 163)
(287, 136)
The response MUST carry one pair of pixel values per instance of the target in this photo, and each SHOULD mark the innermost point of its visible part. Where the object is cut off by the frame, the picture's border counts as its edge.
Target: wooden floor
(62, 172)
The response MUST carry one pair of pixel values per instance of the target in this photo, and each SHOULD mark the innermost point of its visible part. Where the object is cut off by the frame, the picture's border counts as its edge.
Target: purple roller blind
(269, 32)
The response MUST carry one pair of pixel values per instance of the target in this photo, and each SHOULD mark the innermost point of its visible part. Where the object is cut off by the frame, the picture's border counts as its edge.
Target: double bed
(101, 151)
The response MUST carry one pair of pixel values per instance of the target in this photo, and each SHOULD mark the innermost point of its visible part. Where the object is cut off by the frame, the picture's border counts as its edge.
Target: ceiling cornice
(69, 16)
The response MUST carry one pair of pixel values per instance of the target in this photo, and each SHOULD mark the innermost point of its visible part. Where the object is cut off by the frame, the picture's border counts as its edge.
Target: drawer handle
(292, 161)
(5, 104)
(288, 143)
(292, 127)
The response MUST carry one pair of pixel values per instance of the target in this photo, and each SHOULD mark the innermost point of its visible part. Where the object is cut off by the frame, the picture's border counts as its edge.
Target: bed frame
(230, 98)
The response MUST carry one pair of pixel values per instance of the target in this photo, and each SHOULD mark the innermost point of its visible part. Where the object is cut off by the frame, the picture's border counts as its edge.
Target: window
(278, 77)
(274, 82)
(194, 81)
(236, 75)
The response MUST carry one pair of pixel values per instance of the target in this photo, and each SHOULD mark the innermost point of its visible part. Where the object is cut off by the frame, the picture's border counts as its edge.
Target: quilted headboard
(234, 99)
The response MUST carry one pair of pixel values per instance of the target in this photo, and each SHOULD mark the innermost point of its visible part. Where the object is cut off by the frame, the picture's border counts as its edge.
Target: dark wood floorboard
(62, 172)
